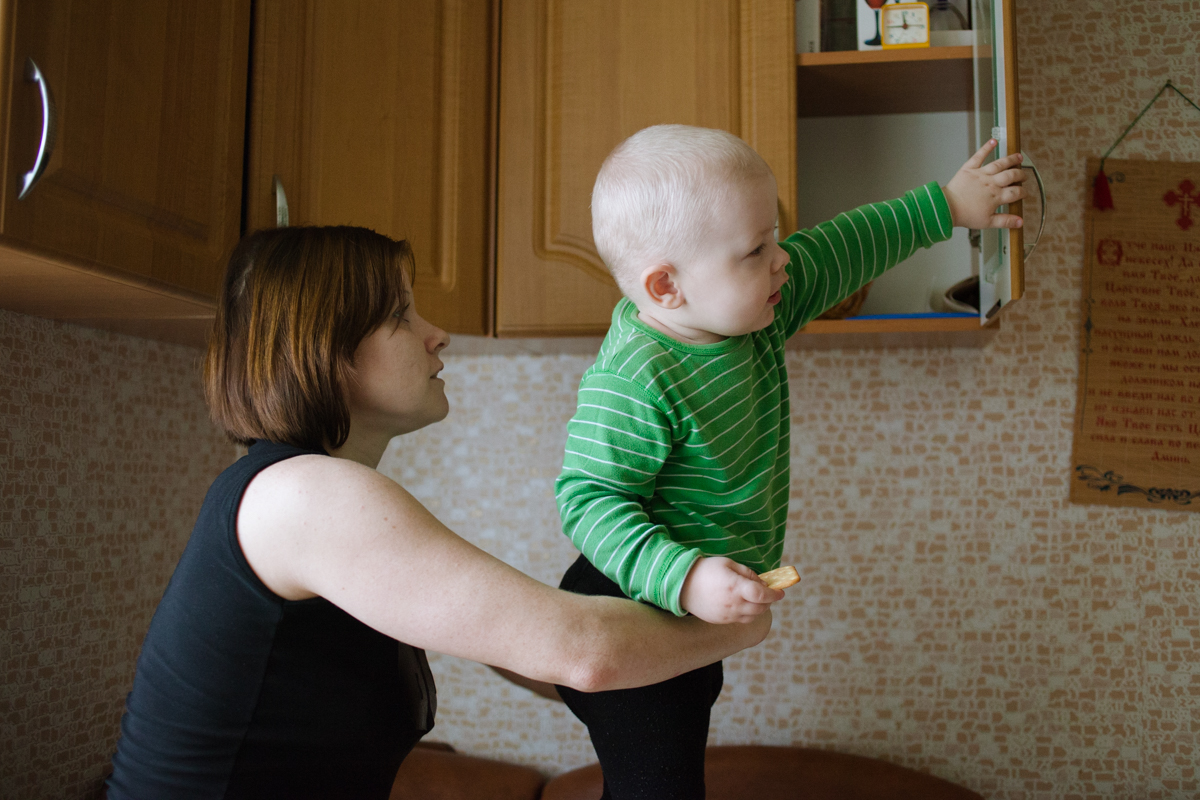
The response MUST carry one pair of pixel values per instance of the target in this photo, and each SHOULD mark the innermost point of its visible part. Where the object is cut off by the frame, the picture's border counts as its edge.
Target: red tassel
(1101, 194)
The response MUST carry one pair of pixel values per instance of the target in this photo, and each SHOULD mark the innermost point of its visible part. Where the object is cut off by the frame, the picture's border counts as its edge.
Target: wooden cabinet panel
(145, 177)
(376, 113)
(576, 78)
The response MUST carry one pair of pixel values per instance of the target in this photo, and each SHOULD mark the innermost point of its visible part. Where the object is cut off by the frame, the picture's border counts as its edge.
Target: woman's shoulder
(311, 478)
(300, 510)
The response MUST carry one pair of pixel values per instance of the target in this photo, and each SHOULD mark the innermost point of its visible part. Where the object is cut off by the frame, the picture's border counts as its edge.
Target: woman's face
(397, 389)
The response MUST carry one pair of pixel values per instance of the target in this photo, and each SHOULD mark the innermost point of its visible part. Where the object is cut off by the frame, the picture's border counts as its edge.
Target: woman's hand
(720, 591)
(977, 189)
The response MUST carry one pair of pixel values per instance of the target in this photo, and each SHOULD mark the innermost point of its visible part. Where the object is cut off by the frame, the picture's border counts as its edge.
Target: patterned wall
(105, 454)
(957, 615)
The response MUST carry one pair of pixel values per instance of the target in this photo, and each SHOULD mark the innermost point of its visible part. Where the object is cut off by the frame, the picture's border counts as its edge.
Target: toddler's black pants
(650, 740)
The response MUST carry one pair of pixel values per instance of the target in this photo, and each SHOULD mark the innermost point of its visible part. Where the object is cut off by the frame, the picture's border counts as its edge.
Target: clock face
(905, 25)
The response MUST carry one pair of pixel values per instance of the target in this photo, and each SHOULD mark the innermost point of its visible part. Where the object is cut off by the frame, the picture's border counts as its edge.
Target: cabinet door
(577, 77)
(145, 177)
(377, 113)
(1001, 252)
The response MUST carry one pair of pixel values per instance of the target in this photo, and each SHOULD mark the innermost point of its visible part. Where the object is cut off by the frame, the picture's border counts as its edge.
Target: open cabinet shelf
(866, 88)
(877, 334)
(872, 125)
(939, 324)
(883, 56)
(853, 82)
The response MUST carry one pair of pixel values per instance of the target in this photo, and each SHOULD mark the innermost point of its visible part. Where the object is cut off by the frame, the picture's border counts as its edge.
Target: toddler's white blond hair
(657, 191)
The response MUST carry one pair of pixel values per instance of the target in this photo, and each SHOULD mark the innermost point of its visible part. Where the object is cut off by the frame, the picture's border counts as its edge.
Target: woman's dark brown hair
(295, 304)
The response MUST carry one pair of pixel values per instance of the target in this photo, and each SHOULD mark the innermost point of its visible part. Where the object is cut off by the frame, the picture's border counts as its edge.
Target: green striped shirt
(679, 450)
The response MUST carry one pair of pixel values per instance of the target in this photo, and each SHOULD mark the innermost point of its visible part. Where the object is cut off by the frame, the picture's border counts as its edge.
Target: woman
(284, 659)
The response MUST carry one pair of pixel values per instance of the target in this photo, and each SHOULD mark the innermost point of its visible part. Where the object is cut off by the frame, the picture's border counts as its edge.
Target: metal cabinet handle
(1028, 164)
(281, 206)
(49, 128)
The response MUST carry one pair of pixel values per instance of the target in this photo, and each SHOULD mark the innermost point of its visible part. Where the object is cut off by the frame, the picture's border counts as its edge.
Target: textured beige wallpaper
(105, 454)
(957, 615)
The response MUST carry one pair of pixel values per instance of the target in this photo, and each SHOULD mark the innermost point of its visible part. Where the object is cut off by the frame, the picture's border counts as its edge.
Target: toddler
(675, 479)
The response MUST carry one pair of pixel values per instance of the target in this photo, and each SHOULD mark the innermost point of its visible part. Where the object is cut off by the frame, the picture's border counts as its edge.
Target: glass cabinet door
(1000, 253)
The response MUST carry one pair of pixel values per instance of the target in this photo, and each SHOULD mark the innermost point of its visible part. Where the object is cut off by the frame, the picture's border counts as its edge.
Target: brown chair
(754, 772)
(433, 771)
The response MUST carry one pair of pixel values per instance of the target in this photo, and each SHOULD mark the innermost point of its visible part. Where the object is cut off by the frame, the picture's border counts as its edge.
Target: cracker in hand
(780, 578)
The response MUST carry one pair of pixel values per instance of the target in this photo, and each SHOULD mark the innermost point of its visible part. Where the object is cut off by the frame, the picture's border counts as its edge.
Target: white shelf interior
(844, 162)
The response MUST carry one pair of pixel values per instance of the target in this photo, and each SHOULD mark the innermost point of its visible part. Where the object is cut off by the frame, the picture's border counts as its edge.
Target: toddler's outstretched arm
(977, 189)
(720, 590)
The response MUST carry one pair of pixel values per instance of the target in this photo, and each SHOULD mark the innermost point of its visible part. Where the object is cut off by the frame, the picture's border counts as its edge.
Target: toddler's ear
(661, 285)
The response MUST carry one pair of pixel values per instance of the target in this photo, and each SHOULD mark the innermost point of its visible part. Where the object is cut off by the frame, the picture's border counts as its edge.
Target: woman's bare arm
(546, 690)
(313, 526)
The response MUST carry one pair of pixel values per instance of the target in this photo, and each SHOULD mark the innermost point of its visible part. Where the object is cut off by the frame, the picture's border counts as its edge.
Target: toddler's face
(733, 283)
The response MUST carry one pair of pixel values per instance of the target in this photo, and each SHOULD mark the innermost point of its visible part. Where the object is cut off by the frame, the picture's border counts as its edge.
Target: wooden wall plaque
(1137, 416)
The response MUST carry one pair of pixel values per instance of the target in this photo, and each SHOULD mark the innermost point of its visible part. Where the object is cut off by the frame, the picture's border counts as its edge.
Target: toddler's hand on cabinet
(978, 188)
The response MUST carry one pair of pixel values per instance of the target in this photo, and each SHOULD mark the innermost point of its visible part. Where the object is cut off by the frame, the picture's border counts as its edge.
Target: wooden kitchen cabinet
(474, 130)
(139, 202)
(378, 113)
(463, 126)
(979, 84)
(578, 77)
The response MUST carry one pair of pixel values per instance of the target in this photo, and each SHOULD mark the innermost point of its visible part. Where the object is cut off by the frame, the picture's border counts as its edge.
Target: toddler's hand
(720, 590)
(977, 189)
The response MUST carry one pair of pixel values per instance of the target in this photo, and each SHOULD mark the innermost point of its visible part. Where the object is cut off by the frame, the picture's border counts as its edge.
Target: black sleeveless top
(240, 693)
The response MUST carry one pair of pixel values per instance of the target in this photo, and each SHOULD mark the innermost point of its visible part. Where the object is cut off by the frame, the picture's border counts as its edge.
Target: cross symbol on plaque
(1185, 197)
